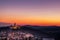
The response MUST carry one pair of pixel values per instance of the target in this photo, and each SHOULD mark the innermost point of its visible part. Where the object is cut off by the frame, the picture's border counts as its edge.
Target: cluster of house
(20, 35)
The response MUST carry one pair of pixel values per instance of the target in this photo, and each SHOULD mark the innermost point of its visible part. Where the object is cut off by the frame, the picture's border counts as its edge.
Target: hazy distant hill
(4, 24)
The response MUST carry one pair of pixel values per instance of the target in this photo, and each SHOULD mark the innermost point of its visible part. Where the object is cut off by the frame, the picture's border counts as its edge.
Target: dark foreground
(28, 32)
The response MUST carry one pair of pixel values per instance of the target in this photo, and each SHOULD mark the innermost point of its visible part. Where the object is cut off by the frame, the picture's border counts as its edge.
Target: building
(15, 26)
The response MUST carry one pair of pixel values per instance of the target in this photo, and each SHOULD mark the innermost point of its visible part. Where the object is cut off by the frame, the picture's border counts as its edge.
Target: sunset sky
(31, 12)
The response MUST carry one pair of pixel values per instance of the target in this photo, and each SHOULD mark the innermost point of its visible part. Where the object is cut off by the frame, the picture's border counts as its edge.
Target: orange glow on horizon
(30, 21)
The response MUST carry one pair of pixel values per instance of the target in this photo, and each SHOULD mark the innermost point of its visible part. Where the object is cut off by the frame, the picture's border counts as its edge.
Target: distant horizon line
(27, 24)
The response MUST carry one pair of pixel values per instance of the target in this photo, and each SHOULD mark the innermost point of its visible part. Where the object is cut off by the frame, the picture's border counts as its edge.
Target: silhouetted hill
(4, 24)
(53, 31)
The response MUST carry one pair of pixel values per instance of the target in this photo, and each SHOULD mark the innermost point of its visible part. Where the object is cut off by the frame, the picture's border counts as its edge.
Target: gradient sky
(32, 12)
